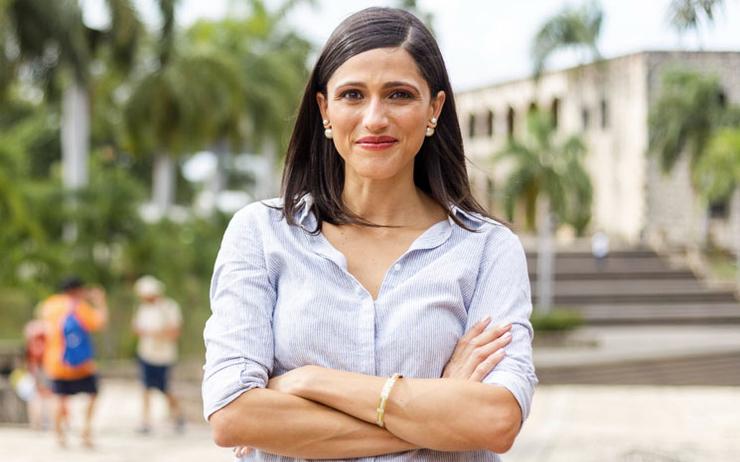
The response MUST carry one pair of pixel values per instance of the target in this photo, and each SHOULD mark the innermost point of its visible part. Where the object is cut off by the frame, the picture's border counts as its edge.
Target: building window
(471, 125)
(585, 118)
(604, 114)
(555, 112)
(510, 122)
(489, 124)
(719, 209)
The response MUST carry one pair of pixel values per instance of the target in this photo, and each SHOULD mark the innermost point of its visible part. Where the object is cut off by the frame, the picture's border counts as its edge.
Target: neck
(388, 202)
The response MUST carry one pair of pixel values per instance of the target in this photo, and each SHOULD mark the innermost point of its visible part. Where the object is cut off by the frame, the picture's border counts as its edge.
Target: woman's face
(379, 106)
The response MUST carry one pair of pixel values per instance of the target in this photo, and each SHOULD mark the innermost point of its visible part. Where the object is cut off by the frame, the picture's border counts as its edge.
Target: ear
(323, 105)
(437, 102)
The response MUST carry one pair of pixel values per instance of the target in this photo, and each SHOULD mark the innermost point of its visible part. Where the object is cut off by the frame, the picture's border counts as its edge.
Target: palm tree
(577, 28)
(548, 176)
(690, 15)
(717, 176)
(61, 52)
(180, 106)
(681, 122)
(272, 62)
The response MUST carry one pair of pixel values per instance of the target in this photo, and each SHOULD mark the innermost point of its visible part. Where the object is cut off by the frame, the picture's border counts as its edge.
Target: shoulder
(171, 305)
(259, 216)
(259, 211)
(52, 304)
(494, 231)
(499, 243)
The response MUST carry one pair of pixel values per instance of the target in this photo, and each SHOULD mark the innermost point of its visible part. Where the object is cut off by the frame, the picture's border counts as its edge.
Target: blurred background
(607, 133)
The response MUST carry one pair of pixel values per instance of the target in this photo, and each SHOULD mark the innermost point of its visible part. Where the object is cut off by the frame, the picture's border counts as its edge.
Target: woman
(367, 313)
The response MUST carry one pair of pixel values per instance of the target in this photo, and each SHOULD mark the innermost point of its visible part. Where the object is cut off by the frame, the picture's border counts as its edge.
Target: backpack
(78, 346)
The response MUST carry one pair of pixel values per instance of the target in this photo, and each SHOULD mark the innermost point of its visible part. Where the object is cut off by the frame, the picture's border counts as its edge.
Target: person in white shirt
(157, 323)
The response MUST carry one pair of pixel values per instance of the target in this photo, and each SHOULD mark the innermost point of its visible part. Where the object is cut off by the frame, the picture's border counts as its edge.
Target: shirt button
(397, 267)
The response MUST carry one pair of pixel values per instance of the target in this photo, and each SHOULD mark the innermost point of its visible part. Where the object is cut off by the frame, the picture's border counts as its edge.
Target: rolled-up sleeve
(503, 292)
(238, 335)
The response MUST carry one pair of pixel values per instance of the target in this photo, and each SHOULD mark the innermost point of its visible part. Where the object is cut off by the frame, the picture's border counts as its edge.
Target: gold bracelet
(384, 393)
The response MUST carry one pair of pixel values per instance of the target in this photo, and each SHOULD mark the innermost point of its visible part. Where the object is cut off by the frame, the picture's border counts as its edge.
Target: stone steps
(703, 369)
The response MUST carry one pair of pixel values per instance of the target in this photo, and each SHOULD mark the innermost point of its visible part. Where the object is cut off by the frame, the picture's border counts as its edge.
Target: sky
(487, 41)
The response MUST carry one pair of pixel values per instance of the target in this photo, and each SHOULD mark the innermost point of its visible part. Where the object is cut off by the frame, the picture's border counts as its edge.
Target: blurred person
(376, 309)
(34, 333)
(157, 324)
(600, 248)
(70, 316)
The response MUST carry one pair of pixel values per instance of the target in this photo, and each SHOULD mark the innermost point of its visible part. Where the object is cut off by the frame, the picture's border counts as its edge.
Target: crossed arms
(313, 412)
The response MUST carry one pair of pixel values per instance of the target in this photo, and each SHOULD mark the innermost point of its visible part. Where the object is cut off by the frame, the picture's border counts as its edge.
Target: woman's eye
(401, 94)
(350, 94)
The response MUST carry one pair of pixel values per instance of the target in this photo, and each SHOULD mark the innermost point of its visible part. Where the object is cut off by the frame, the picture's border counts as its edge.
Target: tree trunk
(75, 136)
(75, 144)
(267, 185)
(544, 255)
(736, 232)
(163, 187)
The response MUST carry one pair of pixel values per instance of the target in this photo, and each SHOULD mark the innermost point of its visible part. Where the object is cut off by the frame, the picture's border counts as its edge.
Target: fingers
(476, 330)
(487, 365)
(242, 451)
(485, 357)
(491, 334)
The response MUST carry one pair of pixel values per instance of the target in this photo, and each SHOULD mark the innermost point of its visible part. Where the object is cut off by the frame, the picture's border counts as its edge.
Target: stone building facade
(607, 103)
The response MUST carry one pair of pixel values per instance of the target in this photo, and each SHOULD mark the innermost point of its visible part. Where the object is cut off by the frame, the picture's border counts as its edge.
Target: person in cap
(70, 316)
(156, 323)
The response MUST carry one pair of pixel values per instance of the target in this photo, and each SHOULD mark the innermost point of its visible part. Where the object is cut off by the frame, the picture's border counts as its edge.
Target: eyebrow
(393, 84)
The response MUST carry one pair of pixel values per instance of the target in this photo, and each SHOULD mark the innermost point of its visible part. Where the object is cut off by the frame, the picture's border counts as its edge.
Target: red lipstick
(376, 143)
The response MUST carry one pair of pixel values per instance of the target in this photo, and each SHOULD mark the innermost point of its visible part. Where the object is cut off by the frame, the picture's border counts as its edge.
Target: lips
(376, 143)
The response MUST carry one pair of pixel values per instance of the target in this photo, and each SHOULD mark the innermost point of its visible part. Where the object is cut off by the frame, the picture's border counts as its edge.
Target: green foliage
(544, 166)
(717, 173)
(271, 62)
(239, 80)
(571, 28)
(685, 15)
(558, 319)
(686, 111)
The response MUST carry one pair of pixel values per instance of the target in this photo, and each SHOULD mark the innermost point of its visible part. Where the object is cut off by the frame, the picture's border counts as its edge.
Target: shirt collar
(306, 218)
(476, 220)
(303, 209)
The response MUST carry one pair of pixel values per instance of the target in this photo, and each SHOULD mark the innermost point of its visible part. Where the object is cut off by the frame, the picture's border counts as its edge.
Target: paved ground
(568, 424)
(616, 344)
(116, 438)
(631, 424)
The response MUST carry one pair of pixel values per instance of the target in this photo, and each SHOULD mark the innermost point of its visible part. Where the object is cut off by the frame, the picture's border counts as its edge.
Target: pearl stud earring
(430, 129)
(327, 129)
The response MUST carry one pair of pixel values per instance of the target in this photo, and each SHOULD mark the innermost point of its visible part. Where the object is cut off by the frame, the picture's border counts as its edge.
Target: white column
(75, 136)
(163, 183)
(544, 255)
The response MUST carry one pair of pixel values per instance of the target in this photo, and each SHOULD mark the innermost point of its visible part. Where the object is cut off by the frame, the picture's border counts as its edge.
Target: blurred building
(608, 104)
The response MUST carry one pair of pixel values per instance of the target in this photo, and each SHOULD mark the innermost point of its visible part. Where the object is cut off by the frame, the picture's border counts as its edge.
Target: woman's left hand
(478, 351)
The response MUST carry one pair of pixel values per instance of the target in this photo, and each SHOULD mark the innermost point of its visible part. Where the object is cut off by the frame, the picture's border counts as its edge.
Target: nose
(375, 118)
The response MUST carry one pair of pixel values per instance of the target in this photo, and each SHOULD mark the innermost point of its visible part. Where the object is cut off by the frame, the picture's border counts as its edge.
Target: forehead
(378, 66)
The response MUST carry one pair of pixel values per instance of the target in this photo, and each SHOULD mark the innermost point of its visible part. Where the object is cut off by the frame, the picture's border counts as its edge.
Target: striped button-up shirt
(282, 298)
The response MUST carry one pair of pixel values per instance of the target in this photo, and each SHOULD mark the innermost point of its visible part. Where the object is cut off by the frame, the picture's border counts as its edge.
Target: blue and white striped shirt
(283, 298)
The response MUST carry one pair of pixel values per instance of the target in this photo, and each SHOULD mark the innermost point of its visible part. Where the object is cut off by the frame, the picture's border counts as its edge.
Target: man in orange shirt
(70, 316)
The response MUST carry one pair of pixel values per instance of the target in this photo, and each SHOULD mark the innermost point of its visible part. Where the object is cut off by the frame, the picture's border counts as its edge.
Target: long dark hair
(312, 163)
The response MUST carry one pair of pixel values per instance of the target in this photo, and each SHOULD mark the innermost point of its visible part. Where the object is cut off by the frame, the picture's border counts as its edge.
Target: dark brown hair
(312, 163)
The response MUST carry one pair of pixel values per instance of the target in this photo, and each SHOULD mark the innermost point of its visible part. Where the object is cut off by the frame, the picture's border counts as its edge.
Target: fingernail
(486, 320)
(506, 336)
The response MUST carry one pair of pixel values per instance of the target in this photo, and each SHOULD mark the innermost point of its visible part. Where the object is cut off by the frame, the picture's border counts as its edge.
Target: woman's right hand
(478, 351)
